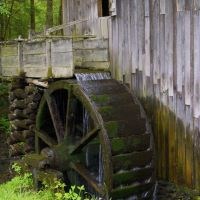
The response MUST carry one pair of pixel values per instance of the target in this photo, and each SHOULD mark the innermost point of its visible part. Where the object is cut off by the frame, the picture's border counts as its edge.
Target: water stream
(92, 76)
(93, 153)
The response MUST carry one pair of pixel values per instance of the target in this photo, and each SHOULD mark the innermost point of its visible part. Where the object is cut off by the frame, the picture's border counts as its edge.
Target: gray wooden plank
(162, 7)
(162, 77)
(116, 48)
(126, 27)
(146, 8)
(169, 39)
(110, 44)
(180, 50)
(196, 86)
(187, 58)
(188, 5)
(155, 42)
(120, 40)
(196, 4)
(141, 34)
(180, 5)
(147, 40)
(134, 38)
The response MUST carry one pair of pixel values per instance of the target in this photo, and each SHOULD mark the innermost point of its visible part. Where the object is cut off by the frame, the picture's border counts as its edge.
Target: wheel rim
(117, 129)
(58, 124)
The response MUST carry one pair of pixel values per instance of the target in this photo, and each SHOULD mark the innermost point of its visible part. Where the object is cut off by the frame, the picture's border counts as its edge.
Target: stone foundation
(24, 99)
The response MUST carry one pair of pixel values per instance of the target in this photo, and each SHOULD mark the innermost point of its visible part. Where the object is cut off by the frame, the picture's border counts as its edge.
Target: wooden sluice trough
(52, 57)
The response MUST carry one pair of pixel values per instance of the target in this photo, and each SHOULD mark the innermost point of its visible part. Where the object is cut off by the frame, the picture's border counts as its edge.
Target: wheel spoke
(46, 138)
(55, 116)
(84, 141)
(85, 174)
(68, 112)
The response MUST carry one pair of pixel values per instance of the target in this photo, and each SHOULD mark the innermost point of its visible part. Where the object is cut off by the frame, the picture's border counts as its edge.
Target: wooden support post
(20, 56)
(48, 57)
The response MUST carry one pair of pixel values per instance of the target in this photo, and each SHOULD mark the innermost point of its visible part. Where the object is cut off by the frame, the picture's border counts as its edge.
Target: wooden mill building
(152, 45)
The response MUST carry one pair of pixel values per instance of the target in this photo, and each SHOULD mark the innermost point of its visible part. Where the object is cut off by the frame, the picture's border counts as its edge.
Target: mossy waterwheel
(96, 134)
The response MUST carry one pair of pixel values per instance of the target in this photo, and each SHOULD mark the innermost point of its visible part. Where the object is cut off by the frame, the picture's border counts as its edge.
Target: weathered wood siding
(10, 59)
(87, 10)
(155, 47)
(92, 54)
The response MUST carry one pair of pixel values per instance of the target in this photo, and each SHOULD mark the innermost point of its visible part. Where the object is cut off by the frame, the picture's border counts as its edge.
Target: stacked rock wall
(24, 99)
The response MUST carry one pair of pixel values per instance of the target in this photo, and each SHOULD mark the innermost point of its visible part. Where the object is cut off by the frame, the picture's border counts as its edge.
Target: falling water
(81, 77)
(88, 161)
(92, 76)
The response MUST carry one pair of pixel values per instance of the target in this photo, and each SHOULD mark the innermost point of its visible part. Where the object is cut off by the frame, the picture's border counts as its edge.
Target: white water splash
(92, 76)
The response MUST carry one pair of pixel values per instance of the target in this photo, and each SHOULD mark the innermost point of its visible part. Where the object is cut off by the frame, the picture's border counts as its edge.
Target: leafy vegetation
(21, 187)
(4, 125)
(4, 9)
(4, 122)
(15, 17)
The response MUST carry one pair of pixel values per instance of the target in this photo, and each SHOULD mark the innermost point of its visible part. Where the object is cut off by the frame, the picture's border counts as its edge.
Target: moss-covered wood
(130, 144)
(130, 160)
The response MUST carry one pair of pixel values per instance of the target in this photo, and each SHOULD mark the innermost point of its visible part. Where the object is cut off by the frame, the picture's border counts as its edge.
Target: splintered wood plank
(196, 86)
(187, 58)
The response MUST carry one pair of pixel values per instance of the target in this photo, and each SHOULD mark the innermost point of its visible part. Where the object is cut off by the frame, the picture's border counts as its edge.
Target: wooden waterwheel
(97, 135)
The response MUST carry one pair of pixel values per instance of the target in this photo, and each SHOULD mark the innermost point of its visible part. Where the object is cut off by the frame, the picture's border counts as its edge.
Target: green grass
(21, 187)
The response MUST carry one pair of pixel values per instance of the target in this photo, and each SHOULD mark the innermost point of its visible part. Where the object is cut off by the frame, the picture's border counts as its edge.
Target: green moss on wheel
(100, 99)
(106, 111)
(112, 128)
(118, 145)
(127, 191)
